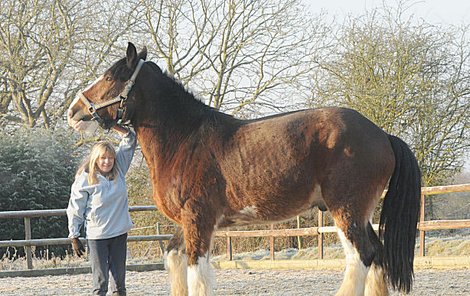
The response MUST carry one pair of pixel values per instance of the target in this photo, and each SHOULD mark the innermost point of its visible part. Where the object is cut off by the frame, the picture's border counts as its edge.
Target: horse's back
(317, 134)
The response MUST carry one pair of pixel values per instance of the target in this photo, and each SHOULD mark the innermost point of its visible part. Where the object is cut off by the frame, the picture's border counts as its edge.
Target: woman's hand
(122, 131)
(77, 247)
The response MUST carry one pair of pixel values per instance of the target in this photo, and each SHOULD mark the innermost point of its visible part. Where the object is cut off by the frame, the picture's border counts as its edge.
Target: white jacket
(103, 207)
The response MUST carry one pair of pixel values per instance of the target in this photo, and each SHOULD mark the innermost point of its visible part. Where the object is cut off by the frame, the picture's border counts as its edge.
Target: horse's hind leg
(356, 269)
(376, 283)
(176, 263)
(359, 249)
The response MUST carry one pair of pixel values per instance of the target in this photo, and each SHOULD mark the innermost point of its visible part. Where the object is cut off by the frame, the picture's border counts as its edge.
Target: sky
(443, 12)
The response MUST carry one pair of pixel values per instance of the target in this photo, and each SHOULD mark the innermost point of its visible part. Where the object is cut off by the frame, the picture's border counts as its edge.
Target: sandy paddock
(237, 282)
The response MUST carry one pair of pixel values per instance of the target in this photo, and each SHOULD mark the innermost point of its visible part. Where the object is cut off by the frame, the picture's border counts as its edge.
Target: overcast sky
(446, 12)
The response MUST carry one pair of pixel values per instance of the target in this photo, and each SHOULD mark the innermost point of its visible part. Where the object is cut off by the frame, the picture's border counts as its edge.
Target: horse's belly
(273, 208)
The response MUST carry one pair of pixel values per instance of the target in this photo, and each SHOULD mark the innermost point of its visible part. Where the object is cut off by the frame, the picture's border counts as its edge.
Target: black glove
(77, 247)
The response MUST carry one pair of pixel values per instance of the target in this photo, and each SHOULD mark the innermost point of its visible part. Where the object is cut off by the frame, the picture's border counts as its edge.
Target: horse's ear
(143, 53)
(131, 56)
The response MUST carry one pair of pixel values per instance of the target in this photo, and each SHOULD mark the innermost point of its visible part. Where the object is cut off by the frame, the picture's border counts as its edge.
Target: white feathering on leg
(176, 263)
(375, 283)
(355, 273)
(201, 278)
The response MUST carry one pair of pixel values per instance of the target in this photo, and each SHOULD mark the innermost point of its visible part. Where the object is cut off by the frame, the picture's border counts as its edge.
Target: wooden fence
(423, 226)
(27, 243)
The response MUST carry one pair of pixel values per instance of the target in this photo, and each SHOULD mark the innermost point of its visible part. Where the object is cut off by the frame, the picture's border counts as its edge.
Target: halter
(121, 99)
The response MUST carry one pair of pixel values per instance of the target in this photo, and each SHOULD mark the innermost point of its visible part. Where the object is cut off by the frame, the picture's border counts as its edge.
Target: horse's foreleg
(176, 262)
(201, 278)
(198, 234)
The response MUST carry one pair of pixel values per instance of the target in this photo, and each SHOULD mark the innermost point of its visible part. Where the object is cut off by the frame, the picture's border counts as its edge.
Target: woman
(99, 201)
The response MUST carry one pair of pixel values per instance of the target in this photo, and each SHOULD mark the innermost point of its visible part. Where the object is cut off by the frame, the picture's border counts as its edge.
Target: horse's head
(106, 101)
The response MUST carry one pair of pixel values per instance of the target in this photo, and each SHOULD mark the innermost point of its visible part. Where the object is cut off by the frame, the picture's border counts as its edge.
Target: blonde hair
(90, 165)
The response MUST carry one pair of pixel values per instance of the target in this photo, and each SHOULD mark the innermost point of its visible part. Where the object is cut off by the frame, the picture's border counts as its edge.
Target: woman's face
(105, 162)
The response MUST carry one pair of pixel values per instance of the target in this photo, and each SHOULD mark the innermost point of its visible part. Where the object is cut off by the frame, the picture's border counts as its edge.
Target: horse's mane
(173, 83)
(180, 95)
(184, 97)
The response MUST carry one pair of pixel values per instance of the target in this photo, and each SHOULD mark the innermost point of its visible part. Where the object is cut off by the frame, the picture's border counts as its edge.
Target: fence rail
(28, 242)
(422, 226)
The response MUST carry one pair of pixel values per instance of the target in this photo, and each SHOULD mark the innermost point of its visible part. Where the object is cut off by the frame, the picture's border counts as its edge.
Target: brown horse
(210, 170)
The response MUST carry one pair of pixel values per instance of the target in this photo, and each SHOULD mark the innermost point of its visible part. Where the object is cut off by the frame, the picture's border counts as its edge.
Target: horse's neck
(170, 123)
(153, 149)
(150, 144)
(162, 128)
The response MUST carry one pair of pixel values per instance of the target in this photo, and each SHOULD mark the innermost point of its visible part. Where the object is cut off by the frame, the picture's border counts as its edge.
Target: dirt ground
(237, 282)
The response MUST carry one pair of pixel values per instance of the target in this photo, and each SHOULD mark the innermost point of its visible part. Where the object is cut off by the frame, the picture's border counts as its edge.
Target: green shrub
(37, 170)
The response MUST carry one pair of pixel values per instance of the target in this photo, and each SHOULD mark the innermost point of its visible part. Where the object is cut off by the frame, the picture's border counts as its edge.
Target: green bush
(37, 170)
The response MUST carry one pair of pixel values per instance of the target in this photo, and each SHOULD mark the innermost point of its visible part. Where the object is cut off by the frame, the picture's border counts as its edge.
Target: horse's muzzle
(80, 122)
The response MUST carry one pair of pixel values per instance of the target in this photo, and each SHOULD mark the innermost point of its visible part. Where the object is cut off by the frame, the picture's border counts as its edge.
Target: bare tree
(243, 56)
(36, 44)
(410, 78)
(49, 49)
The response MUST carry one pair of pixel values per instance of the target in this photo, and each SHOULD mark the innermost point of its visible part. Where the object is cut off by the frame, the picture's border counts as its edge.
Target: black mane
(176, 85)
(173, 92)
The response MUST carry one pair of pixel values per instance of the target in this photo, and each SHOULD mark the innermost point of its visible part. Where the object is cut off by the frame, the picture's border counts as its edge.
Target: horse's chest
(177, 186)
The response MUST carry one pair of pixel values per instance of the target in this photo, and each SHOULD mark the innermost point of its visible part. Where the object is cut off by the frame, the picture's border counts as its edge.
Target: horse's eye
(109, 78)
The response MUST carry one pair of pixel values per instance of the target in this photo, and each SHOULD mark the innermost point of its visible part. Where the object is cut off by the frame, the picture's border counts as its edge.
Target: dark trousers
(108, 257)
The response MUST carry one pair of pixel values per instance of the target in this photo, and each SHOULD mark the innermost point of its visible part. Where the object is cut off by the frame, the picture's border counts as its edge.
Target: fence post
(271, 244)
(162, 248)
(229, 248)
(422, 246)
(299, 239)
(27, 236)
(320, 235)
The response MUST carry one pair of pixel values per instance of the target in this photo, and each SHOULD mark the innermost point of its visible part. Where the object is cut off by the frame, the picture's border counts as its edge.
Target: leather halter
(121, 99)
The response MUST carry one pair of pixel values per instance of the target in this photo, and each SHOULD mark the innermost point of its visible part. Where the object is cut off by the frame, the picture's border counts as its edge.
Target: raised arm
(125, 151)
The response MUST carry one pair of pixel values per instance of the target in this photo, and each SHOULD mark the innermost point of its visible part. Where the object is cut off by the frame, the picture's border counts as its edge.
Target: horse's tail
(399, 217)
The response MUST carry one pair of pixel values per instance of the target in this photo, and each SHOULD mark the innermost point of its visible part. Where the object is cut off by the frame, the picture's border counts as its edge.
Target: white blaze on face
(94, 82)
(74, 102)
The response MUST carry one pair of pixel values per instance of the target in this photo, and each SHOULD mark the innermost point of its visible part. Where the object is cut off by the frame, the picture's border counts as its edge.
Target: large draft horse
(210, 170)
